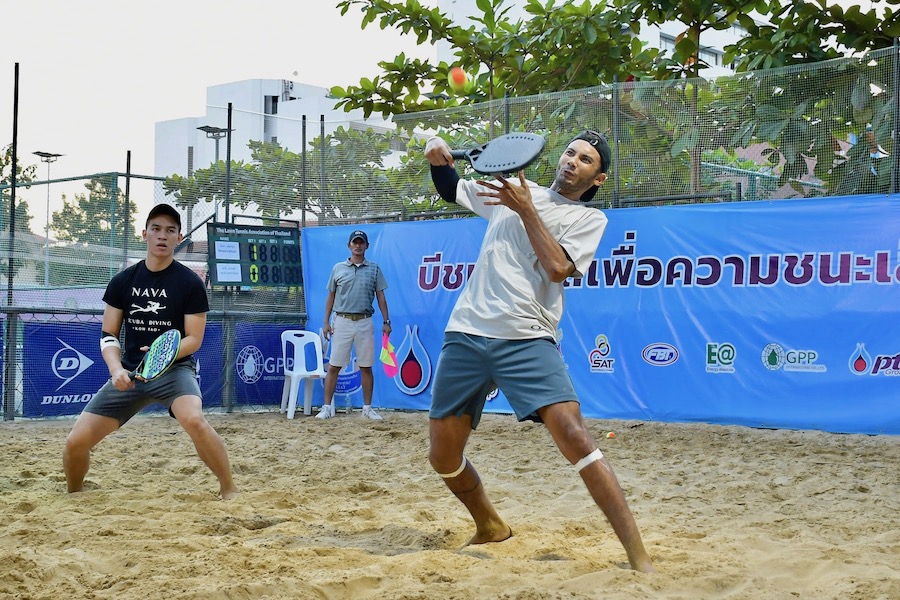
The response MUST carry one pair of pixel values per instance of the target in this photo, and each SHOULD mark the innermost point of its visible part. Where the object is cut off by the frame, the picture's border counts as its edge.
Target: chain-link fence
(805, 131)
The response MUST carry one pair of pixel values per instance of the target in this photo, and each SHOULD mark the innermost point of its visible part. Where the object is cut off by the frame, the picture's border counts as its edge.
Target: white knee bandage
(461, 468)
(595, 455)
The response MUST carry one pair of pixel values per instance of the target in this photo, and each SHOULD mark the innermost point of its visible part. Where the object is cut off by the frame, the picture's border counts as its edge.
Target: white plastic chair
(294, 344)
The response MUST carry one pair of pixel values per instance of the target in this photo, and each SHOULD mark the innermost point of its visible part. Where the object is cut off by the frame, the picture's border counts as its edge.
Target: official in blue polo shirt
(352, 287)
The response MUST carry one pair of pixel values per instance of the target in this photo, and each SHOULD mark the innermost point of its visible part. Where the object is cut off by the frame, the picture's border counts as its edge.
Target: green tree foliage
(565, 47)
(807, 114)
(24, 176)
(343, 177)
(805, 117)
(811, 31)
(93, 234)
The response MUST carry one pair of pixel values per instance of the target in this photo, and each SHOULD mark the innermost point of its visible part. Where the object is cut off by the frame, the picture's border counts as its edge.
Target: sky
(96, 75)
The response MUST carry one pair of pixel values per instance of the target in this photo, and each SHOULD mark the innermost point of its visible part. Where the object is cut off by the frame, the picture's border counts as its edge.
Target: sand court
(350, 509)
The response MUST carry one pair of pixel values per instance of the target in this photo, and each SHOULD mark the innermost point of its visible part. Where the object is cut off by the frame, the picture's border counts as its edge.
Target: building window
(711, 57)
(666, 43)
(271, 105)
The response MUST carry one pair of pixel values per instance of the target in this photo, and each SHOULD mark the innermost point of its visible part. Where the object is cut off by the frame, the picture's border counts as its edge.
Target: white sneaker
(327, 411)
(369, 413)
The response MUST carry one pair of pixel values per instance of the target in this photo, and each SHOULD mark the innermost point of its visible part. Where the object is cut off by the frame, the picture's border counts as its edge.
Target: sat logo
(599, 358)
(68, 363)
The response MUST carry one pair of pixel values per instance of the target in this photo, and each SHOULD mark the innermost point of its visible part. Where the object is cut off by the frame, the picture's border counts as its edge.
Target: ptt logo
(775, 357)
(861, 363)
(660, 354)
(599, 359)
(720, 357)
(68, 363)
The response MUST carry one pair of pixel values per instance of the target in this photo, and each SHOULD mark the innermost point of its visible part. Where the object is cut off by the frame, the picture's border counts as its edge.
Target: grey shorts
(180, 380)
(530, 373)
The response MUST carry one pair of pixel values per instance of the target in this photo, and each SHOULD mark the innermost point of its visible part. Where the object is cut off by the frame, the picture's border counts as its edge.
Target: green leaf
(860, 95)
(688, 141)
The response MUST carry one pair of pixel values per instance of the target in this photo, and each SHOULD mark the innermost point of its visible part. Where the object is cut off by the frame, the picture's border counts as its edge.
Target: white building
(269, 110)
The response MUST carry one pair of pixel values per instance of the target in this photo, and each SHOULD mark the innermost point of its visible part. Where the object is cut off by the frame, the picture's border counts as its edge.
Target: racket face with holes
(508, 153)
(160, 356)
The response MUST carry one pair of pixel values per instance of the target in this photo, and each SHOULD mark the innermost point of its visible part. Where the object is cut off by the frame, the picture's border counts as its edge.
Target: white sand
(350, 509)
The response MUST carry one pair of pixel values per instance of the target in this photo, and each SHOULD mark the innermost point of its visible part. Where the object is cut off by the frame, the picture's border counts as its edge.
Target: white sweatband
(109, 340)
(461, 468)
(593, 456)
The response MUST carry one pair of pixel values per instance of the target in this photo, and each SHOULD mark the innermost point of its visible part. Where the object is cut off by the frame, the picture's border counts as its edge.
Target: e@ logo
(660, 354)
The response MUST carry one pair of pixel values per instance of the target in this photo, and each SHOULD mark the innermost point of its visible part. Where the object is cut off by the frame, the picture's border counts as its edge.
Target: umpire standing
(353, 285)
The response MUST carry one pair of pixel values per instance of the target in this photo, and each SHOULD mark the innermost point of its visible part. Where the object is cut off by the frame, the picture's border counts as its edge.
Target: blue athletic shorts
(530, 373)
(180, 380)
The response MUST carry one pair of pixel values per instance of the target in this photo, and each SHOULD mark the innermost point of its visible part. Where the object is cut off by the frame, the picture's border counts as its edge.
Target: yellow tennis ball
(458, 80)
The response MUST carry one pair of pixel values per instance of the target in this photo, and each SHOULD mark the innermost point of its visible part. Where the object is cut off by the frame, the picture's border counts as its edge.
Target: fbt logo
(774, 357)
(720, 357)
(68, 363)
(660, 354)
(861, 363)
(599, 358)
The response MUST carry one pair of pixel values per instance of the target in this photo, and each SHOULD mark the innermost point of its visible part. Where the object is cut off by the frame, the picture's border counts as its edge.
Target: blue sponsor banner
(211, 365)
(62, 367)
(259, 368)
(426, 264)
(771, 314)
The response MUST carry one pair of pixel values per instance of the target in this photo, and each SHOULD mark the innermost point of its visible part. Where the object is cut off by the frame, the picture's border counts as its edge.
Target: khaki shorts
(347, 333)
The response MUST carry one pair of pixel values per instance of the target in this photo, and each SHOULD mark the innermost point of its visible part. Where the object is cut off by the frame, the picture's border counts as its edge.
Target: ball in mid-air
(458, 81)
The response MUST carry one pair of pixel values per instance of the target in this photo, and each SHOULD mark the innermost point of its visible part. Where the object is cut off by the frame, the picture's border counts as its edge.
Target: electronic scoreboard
(253, 255)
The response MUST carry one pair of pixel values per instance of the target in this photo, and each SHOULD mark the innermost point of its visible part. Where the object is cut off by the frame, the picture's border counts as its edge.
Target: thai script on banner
(435, 274)
(625, 268)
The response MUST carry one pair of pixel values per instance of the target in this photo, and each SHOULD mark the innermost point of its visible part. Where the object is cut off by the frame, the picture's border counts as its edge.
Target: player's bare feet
(497, 532)
(229, 494)
(642, 564)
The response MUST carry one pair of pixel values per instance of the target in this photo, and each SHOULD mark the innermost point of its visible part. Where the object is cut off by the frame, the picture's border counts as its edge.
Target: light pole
(214, 133)
(47, 157)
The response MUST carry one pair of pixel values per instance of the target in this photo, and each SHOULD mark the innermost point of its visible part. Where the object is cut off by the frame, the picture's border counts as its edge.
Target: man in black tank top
(142, 301)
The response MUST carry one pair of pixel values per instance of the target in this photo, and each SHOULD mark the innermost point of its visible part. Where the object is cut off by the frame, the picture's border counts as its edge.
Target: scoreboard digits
(253, 256)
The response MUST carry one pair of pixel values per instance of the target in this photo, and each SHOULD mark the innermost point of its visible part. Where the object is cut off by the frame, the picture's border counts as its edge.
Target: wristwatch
(387, 322)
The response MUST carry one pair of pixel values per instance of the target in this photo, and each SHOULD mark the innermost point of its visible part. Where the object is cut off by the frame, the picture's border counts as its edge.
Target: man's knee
(450, 472)
(77, 443)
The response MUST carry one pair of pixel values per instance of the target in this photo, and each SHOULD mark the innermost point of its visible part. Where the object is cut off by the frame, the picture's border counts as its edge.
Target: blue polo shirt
(354, 286)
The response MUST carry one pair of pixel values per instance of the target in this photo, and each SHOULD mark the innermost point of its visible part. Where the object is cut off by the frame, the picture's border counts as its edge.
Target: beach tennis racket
(159, 356)
(508, 153)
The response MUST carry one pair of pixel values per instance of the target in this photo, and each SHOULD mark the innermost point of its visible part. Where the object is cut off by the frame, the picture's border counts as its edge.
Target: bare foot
(491, 535)
(644, 566)
(229, 494)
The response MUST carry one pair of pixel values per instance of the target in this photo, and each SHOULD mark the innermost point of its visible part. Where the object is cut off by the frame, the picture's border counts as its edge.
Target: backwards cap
(598, 141)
